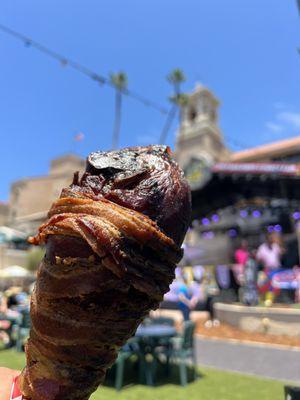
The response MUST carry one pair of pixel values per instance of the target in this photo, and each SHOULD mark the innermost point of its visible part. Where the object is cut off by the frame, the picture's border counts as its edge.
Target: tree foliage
(34, 257)
(119, 80)
(176, 77)
(178, 99)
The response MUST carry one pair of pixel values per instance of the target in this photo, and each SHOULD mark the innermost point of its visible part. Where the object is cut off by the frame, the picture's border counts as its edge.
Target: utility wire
(79, 67)
(102, 80)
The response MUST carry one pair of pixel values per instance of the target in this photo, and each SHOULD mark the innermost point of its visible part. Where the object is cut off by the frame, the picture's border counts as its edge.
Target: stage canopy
(225, 184)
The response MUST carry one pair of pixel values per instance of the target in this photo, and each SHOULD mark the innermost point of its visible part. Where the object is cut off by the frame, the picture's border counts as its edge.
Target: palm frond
(176, 76)
(119, 80)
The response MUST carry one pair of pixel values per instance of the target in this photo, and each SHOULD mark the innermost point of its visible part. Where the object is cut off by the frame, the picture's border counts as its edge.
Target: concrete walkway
(270, 361)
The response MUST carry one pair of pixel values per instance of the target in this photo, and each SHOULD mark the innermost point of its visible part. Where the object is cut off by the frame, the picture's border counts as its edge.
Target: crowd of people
(14, 304)
(248, 279)
(193, 289)
(272, 255)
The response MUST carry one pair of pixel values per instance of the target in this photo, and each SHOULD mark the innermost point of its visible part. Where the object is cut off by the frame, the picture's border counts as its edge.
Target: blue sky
(245, 51)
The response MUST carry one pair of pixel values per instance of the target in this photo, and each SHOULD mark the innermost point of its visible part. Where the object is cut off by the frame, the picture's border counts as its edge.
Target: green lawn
(213, 385)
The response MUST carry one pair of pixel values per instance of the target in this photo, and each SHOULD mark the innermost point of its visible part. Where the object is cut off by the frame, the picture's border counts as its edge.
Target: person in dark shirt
(290, 258)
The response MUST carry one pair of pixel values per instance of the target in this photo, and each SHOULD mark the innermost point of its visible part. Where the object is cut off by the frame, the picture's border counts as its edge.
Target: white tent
(15, 271)
(8, 234)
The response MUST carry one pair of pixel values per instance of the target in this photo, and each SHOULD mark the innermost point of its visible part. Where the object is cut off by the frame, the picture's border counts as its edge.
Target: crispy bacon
(112, 243)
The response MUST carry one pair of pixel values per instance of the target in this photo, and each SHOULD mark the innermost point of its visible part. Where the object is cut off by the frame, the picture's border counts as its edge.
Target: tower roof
(200, 89)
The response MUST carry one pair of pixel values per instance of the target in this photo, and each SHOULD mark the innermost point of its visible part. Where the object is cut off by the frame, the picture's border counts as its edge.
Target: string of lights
(209, 226)
(65, 61)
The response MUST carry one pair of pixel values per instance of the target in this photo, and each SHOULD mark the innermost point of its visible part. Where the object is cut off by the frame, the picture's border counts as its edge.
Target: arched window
(192, 114)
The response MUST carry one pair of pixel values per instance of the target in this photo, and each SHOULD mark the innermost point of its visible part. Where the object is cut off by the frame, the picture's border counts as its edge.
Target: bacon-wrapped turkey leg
(112, 243)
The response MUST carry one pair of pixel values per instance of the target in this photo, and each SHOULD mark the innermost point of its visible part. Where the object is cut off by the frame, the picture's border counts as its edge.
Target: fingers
(6, 379)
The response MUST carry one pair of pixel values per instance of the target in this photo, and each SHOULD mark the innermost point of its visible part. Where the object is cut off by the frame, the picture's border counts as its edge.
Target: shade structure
(230, 183)
(14, 271)
(8, 234)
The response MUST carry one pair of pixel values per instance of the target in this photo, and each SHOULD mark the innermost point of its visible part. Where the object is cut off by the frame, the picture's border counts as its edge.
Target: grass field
(212, 385)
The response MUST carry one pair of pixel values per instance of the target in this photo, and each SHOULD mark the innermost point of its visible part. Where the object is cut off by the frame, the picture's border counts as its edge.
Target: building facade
(287, 151)
(4, 213)
(31, 198)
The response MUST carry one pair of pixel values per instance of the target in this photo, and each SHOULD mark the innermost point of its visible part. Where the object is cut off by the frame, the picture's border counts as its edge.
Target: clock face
(198, 172)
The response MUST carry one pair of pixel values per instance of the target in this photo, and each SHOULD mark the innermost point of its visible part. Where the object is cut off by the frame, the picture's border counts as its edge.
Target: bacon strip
(109, 260)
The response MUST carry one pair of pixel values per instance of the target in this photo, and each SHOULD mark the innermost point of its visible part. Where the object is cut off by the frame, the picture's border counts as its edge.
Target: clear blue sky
(245, 51)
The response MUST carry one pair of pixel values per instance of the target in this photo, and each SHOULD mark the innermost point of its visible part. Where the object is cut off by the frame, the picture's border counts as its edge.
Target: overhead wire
(103, 80)
(65, 61)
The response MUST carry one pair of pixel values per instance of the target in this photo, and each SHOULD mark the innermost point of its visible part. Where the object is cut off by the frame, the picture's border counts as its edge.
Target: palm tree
(120, 83)
(176, 77)
(178, 99)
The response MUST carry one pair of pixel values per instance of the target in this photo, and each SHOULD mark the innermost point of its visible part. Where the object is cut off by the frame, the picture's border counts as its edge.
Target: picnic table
(149, 338)
(156, 343)
(155, 332)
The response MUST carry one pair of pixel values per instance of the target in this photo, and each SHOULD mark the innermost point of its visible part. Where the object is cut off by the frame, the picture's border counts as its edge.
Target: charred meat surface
(145, 179)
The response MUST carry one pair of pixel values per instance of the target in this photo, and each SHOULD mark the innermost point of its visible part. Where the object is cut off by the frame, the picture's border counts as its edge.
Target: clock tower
(199, 138)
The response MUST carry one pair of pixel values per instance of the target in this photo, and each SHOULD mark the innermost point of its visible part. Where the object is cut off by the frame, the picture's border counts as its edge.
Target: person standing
(241, 254)
(184, 298)
(269, 254)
